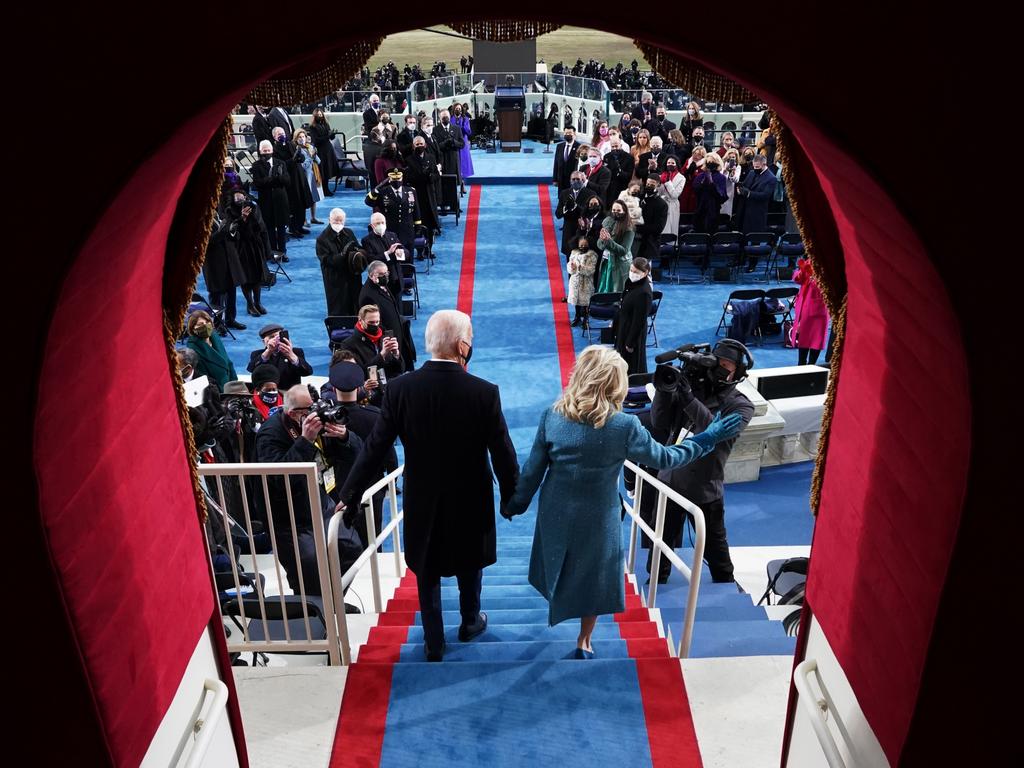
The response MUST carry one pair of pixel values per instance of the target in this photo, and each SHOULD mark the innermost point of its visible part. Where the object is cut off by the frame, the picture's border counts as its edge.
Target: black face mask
(396, 183)
(382, 280)
(469, 354)
(594, 211)
(269, 398)
(371, 330)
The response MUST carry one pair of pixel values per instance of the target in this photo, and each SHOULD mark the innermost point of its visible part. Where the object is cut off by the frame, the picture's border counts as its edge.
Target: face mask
(593, 161)
(578, 185)
(618, 215)
(371, 329)
(375, 105)
(427, 129)
(337, 227)
(281, 138)
(469, 354)
(410, 127)
(269, 398)
(670, 168)
(661, 117)
(420, 150)
(396, 183)
(595, 210)
(302, 141)
(698, 139)
(267, 155)
(382, 280)
(602, 131)
(204, 331)
(568, 139)
(380, 229)
(239, 199)
(634, 131)
(446, 121)
(651, 190)
(635, 277)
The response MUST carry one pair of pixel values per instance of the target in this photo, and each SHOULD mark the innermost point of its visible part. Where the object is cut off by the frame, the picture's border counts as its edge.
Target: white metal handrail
(819, 709)
(692, 573)
(285, 470)
(341, 581)
(208, 726)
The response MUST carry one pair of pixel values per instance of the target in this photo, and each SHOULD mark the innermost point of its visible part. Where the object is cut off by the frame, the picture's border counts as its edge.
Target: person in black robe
(323, 135)
(342, 262)
(630, 326)
(271, 179)
(425, 179)
(375, 291)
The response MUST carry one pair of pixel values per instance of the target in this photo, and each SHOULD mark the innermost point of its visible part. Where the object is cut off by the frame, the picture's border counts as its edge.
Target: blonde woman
(576, 459)
(731, 171)
(307, 158)
(641, 145)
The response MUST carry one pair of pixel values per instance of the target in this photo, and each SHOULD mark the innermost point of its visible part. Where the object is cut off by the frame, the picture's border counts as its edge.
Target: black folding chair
(652, 314)
(786, 580)
(790, 248)
(603, 307)
(694, 249)
(756, 246)
(745, 294)
(276, 265)
(410, 285)
(350, 166)
(725, 251)
(339, 328)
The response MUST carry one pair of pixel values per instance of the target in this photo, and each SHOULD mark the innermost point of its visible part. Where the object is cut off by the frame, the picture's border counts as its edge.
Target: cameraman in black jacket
(686, 401)
(296, 434)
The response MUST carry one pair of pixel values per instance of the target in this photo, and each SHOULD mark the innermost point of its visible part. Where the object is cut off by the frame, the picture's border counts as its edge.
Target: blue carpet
(539, 713)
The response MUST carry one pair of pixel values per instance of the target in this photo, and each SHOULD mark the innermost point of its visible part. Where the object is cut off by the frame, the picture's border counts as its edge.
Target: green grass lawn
(566, 44)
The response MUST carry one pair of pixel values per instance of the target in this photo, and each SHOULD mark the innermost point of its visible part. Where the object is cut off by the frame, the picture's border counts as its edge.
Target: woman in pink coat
(811, 316)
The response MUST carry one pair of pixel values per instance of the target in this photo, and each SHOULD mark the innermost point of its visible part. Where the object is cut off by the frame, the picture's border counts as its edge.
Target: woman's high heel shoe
(582, 654)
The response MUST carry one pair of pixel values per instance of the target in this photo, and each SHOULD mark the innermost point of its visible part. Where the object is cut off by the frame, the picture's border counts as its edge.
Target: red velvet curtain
(114, 497)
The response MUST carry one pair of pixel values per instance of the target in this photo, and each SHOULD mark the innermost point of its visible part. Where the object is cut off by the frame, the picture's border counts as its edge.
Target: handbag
(788, 335)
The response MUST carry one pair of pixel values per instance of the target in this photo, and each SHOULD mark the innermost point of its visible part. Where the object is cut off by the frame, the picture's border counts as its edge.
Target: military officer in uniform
(400, 206)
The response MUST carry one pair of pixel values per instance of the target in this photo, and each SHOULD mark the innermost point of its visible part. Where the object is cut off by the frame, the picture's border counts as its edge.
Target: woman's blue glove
(718, 430)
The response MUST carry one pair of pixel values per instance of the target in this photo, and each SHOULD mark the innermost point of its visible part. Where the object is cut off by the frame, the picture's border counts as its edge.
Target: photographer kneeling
(686, 400)
(304, 431)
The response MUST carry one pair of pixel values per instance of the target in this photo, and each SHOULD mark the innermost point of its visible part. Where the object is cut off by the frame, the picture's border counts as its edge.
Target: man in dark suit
(566, 159)
(372, 114)
(644, 111)
(426, 180)
(757, 190)
(450, 142)
(572, 203)
(278, 117)
(445, 418)
(405, 137)
(260, 125)
(659, 126)
(655, 214)
(383, 245)
(341, 263)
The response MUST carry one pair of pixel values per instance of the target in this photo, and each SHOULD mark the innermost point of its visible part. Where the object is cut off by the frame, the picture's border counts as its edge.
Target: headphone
(743, 365)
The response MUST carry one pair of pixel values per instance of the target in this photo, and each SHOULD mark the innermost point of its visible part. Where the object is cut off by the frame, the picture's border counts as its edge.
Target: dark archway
(899, 454)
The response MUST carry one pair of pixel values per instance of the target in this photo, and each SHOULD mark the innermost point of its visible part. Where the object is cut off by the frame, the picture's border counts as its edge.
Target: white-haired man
(450, 142)
(381, 244)
(270, 178)
(342, 262)
(449, 422)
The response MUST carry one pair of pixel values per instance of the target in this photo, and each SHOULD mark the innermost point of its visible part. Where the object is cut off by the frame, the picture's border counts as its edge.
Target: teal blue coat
(577, 557)
(214, 362)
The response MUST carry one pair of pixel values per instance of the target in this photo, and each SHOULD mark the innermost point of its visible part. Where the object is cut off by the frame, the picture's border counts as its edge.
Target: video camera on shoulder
(326, 411)
(697, 365)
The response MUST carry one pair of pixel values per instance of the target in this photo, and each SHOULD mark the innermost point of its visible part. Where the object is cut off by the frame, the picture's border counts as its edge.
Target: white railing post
(638, 488)
(818, 709)
(699, 538)
(659, 528)
(396, 543)
(317, 515)
(371, 539)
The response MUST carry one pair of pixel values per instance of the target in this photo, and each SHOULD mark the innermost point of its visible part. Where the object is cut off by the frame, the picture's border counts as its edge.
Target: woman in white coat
(671, 187)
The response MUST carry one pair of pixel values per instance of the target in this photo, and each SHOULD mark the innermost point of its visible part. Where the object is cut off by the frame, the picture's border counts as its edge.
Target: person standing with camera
(686, 401)
(278, 351)
(300, 432)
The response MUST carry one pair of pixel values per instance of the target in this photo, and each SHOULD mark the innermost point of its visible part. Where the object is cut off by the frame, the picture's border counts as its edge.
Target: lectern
(509, 103)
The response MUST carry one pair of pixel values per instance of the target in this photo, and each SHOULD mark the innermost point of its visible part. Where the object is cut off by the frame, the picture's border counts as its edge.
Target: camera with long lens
(241, 409)
(326, 411)
(696, 364)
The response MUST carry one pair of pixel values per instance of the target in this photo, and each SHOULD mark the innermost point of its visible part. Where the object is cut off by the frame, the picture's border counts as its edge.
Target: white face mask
(635, 277)
(593, 161)
(302, 141)
(428, 129)
(337, 227)
(379, 229)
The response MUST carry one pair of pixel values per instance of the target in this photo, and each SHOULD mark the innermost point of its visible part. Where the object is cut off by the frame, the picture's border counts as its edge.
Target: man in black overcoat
(450, 142)
(655, 214)
(620, 164)
(572, 204)
(278, 117)
(381, 244)
(375, 291)
(446, 418)
(757, 190)
(398, 201)
(271, 179)
(425, 179)
(342, 262)
(260, 125)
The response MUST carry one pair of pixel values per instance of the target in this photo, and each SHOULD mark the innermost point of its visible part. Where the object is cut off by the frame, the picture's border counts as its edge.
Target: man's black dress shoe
(433, 655)
(235, 325)
(468, 631)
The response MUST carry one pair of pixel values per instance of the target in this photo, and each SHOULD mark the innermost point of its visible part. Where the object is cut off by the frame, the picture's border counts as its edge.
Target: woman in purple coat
(461, 119)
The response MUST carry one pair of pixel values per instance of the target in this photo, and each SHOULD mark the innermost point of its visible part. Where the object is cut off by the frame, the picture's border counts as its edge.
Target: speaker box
(812, 382)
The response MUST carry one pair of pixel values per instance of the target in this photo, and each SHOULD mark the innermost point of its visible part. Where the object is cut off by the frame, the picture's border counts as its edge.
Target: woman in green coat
(582, 440)
(616, 243)
(214, 362)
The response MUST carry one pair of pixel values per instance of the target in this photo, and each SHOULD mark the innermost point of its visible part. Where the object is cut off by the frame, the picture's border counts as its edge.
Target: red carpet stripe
(359, 738)
(563, 332)
(670, 731)
(465, 302)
